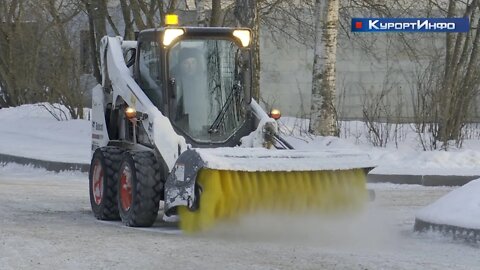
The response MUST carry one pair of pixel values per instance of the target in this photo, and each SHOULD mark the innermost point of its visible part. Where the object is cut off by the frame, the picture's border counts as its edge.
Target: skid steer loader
(174, 120)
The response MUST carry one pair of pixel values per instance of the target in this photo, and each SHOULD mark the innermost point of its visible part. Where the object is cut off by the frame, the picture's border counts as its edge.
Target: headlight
(244, 36)
(171, 34)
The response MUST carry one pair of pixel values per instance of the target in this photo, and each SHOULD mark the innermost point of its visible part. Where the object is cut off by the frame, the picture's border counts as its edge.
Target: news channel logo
(444, 25)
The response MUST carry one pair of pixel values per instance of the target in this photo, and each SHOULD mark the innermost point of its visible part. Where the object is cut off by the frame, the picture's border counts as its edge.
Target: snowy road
(45, 223)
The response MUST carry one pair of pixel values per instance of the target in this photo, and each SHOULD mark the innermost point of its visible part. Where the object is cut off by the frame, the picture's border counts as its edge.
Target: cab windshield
(209, 84)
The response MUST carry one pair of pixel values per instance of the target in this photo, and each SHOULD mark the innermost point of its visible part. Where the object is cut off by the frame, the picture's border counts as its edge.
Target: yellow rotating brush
(226, 195)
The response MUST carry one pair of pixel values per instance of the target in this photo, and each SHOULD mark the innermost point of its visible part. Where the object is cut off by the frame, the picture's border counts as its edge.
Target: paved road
(45, 223)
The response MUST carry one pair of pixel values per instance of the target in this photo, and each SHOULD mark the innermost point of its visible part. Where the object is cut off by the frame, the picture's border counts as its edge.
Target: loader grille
(227, 195)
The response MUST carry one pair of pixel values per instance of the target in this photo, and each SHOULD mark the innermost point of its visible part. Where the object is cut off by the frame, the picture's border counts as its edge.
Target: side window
(149, 69)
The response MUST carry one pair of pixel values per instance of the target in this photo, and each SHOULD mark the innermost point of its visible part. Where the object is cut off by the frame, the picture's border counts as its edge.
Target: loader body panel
(99, 126)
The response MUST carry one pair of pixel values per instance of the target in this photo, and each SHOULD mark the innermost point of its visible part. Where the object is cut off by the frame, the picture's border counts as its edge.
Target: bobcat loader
(174, 121)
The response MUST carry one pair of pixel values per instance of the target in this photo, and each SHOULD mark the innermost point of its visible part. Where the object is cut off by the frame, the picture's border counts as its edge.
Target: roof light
(244, 36)
(171, 19)
(171, 34)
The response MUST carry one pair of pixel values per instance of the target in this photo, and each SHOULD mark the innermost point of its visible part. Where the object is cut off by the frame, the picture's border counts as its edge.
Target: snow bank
(463, 162)
(406, 157)
(31, 131)
(460, 207)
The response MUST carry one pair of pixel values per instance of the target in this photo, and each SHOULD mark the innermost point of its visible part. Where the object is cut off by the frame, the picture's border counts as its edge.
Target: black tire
(140, 188)
(103, 174)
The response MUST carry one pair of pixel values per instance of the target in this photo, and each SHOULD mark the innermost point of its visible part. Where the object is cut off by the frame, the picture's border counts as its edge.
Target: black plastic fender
(180, 186)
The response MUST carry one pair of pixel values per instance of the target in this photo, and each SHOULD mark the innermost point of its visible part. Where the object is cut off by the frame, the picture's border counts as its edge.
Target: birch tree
(323, 119)
(461, 78)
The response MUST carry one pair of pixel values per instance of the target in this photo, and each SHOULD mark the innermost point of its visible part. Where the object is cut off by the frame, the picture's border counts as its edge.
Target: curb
(424, 180)
(54, 166)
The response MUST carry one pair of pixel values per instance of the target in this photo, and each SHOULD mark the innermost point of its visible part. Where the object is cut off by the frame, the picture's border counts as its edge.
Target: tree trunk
(459, 84)
(445, 104)
(93, 42)
(99, 10)
(450, 37)
(201, 16)
(137, 14)
(247, 15)
(323, 119)
(172, 6)
(150, 14)
(127, 19)
(18, 70)
(216, 17)
(4, 91)
(256, 54)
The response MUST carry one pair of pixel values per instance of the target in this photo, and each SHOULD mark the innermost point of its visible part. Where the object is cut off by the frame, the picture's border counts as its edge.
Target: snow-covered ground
(46, 223)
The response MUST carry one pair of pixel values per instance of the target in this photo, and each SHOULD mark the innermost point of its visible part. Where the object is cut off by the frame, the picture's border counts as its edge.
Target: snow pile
(405, 157)
(31, 131)
(461, 162)
(255, 138)
(460, 207)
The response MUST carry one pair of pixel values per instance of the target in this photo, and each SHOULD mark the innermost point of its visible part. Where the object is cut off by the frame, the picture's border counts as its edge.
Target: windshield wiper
(221, 115)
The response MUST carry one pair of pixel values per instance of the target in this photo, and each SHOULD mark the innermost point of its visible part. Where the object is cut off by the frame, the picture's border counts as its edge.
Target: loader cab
(201, 79)
(148, 68)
